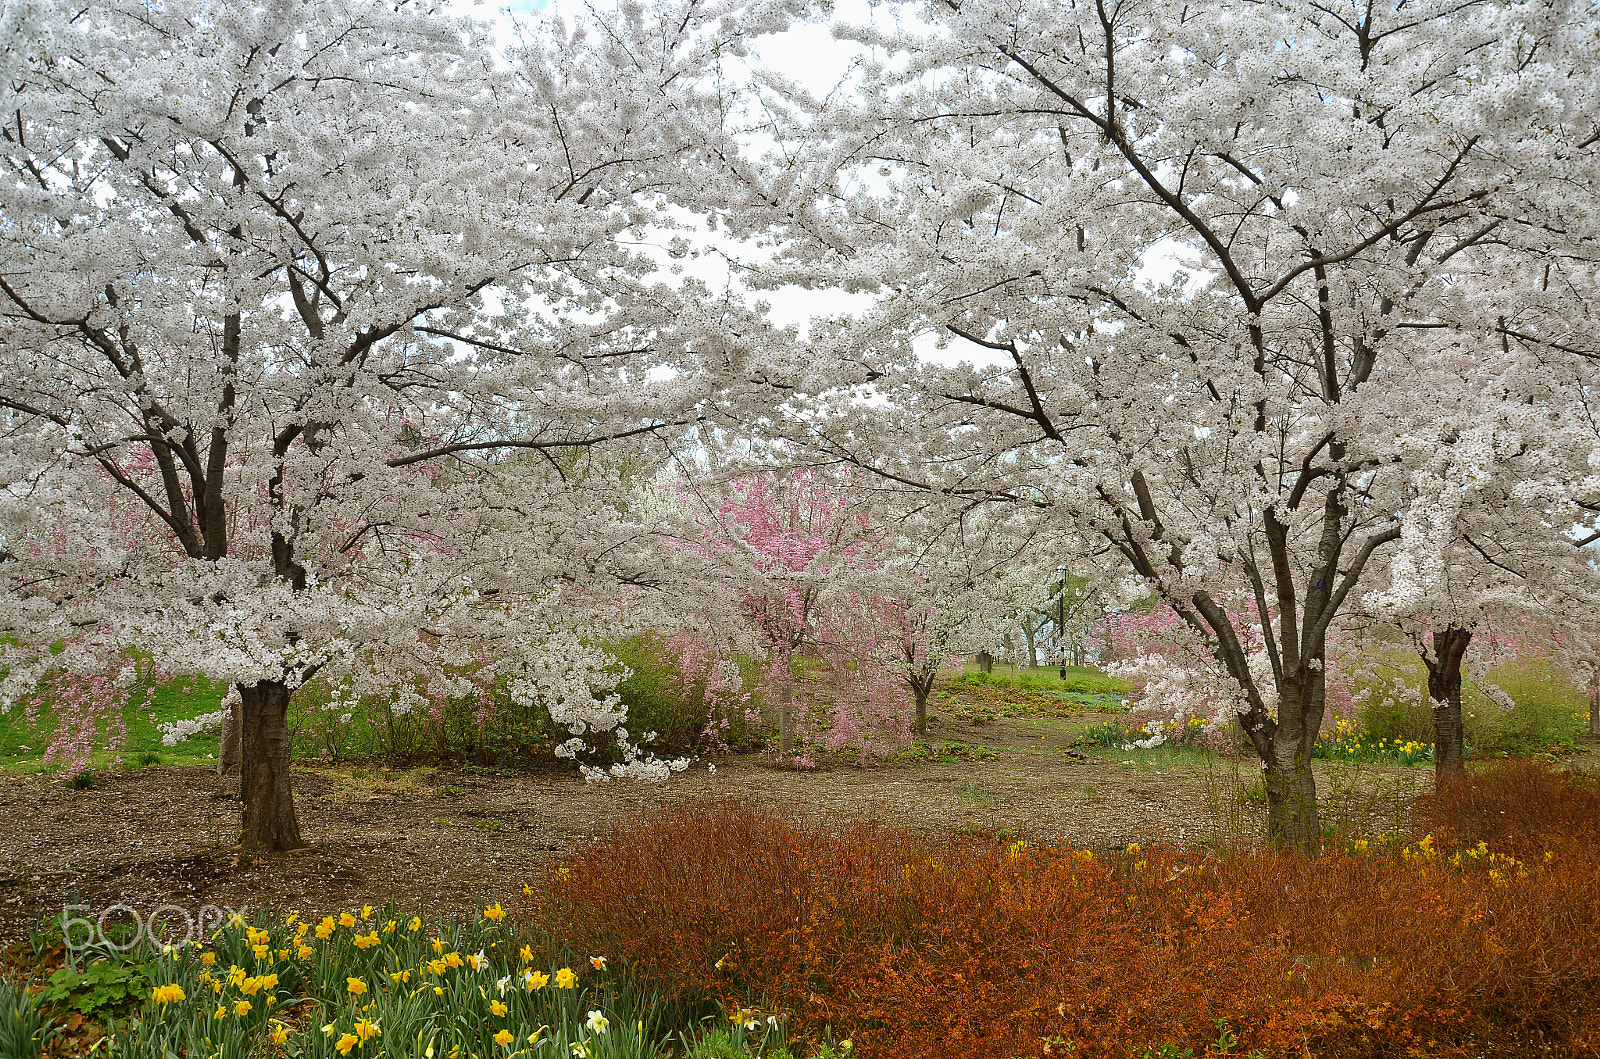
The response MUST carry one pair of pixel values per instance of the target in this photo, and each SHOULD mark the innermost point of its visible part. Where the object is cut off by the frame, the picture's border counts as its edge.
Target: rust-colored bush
(956, 946)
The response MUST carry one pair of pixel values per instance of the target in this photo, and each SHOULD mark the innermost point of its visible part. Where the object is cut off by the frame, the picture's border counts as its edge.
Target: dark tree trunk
(269, 819)
(985, 662)
(1594, 706)
(228, 744)
(1292, 816)
(1444, 692)
(921, 688)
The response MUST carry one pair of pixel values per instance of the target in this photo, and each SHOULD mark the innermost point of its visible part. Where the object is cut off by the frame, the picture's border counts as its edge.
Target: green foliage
(661, 699)
(1393, 697)
(386, 984)
(1348, 742)
(23, 1032)
(103, 988)
(950, 752)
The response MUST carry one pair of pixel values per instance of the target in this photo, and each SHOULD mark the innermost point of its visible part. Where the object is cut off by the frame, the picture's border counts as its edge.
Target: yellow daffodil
(366, 911)
(221, 1012)
(347, 1042)
(242, 1008)
(494, 912)
(401, 976)
(415, 924)
(346, 920)
(325, 929)
(355, 985)
(208, 958)
(452, 959)
(366, 1029)
(438, 944)
(527, 954)
(365, 941)
(504, 1038)
(566, 978)
(388, 928)
(497, 1008)
(479, 962)
(280, 1034)
(438, 990)
(535, 980)
(527, 891)
(304, 952)
(166, 994)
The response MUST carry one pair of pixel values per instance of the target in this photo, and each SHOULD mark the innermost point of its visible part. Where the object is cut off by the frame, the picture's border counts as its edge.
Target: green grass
(22, 745)
(1082, 679)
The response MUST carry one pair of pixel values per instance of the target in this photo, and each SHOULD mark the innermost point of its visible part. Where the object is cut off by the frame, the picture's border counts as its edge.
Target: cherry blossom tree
(283, 284)
(944, 584)
(1206, 266)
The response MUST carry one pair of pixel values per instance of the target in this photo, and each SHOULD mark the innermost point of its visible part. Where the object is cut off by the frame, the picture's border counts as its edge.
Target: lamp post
(1061, 618)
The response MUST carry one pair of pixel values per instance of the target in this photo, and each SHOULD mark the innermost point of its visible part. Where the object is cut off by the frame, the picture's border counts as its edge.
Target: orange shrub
(956, 947)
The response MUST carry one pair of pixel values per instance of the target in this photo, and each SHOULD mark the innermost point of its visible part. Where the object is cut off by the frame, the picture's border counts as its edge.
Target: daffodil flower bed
(1349, 741)
(369, 983)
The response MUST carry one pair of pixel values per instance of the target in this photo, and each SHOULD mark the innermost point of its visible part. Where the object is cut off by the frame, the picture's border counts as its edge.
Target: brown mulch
(443, 840)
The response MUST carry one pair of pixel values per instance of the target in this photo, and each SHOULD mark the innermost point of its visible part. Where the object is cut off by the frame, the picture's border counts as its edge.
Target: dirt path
(443, 840)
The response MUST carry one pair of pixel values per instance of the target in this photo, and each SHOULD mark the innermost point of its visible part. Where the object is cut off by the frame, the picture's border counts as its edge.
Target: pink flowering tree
(794, 559)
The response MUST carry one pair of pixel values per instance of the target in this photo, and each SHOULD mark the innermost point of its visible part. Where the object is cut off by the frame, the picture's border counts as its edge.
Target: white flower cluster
(175, 732)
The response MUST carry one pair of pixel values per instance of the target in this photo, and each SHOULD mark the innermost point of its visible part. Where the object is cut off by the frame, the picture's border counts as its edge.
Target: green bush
(1394, 705)
(660, 700)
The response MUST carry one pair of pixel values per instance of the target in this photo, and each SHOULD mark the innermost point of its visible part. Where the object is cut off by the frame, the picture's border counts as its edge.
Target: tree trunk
(1594, 706)
(1444, 692)
(1033, 650)
(921, 689)
(228, 743)
(985, 662)
(1292, 817)
(786, 713)
(264, 786)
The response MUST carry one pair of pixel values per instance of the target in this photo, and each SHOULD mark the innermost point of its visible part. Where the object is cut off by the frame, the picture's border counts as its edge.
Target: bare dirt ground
(443, 840)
